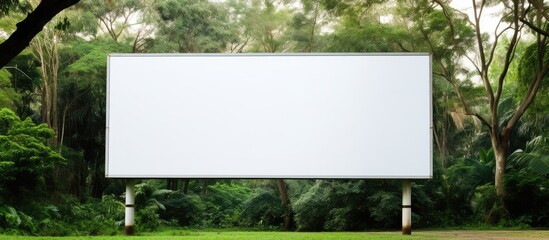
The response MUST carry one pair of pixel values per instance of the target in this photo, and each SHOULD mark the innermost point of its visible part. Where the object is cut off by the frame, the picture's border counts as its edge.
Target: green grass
(240, 235)
(191, 235)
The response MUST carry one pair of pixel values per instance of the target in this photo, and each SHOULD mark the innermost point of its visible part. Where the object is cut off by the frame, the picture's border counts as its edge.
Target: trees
(267, 23)
(45, 47)
(500, 102)
(495, 80)
(83, 103)
(306, 26)
(452, 37)
(124, 21)
(191, 26)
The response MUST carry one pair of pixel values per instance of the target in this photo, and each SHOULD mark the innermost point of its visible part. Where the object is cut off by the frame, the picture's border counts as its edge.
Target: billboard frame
(141, 55)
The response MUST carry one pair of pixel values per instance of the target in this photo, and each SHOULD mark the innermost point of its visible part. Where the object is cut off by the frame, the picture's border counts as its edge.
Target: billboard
(269, 116)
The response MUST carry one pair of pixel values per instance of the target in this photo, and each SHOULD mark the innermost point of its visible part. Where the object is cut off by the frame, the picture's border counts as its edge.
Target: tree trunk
(98, 181)
(500, 144)
(172, 184)
(186, 186)
(285, 202)
(500, 154)
(54, 91)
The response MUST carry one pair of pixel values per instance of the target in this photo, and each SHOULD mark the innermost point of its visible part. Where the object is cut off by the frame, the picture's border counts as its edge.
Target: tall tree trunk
(54, 100)
(45, 49)
(172, 184)
(98, 181)
(282, 190)
(500, 144)
(186, 186)
(500, 154)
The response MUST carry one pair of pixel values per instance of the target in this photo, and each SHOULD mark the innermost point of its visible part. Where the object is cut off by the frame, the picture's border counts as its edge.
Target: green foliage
(312, 209)
(483, 202)
(25, 80)
(387, 209)
(223, 204)
(527, 180)
(529, 193)
(183, 209)
(82, 103)
(7, 6)
(366, 38)
(87, 67)
(526, 68)
(191, 26)
(461, 192)
(305, 27)
(95, 217)
(147, 216)
(336, 205)
(10, 218)
(69, 219)
(460, 185)
(267, 24)
(262, 209)
(535, 157)
(24, 156)
(8, 96)
(220, 205)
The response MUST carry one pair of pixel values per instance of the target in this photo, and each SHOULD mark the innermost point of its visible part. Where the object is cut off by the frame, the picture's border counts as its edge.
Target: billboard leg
(406, 207)
(129, 224)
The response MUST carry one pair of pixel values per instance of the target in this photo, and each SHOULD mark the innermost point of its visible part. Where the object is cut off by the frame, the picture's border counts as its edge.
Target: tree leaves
(24, 156)
(191, 26)
(535, 157)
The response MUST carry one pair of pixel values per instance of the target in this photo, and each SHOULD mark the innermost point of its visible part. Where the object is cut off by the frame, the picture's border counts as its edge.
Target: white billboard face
(269, 116)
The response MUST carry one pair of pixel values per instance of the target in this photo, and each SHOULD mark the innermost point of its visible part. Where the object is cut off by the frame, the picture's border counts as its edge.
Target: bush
(10, 218)
(312, 208)
(223, 204)
(184, 209)
(338, 219)
(385, 208)
(262, 209)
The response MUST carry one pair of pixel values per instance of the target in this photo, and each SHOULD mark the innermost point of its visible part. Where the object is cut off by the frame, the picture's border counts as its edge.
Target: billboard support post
(406, 207)
(129, 224)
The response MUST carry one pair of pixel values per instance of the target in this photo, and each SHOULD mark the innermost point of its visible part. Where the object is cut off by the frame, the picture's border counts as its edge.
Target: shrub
(263, 209)
(312, 208)
(184, 209)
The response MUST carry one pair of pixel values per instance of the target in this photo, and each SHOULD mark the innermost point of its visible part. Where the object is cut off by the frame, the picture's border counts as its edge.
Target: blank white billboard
(269, 116)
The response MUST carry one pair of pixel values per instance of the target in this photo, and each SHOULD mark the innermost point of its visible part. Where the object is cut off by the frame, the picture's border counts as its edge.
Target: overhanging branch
(30, 26)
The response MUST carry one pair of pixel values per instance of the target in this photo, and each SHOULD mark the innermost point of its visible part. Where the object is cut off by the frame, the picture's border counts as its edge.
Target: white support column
(406, 207)
(130, 207)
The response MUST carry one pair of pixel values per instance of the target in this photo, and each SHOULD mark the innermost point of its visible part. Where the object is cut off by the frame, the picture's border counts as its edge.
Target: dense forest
(490, 114)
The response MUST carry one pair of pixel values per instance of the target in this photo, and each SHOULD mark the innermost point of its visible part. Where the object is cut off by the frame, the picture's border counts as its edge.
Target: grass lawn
(238, 235)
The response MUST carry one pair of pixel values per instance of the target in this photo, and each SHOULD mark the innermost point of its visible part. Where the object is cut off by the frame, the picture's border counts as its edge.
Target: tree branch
(484, 66)
(481, 119)
(30, 26)
(532, 91)
(496, 39)
(539, 6)
(508, 58)
(534, 27)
